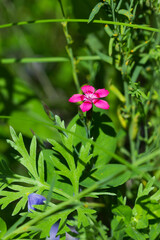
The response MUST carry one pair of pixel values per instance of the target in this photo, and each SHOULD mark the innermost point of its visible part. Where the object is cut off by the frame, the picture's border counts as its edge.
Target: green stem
(88, 122)
(47, 59)
(146, 133)
(62, 9)
(69, 49)
(113, 11)
(131, 140)
(147, 158)
(126, 92)
(135, 26)
(119, 5)
(71, 56)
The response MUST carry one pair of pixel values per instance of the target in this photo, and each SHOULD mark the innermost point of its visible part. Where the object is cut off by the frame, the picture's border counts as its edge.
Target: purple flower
(54, 230)
(91, 97)
(35, 199)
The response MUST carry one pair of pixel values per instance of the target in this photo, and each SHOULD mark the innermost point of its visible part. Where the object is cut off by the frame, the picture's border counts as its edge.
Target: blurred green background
(26, 87)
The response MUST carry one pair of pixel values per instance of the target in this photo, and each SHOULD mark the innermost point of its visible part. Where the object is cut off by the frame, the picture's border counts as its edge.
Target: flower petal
(35, 199)
(100, 93)
(86, 106)
(101, 103)
(53, 231)
(88, 89)
(76, 98)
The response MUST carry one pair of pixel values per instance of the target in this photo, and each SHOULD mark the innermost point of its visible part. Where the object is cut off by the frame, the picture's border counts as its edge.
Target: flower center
(89, 96)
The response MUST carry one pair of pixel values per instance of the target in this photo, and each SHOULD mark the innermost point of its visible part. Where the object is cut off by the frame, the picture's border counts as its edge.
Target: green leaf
(95, 10)
(155, 196)
(140, 217)
(134, 234)
(29, 161)
(18, 193)
(105, 57)
(33, 117)
(106, 171)
(63, 169)
(82, 216)
(154, 231)
(41, 167)
(84, 158)
(108, 30)
(47, 223)
(103, 134)
(110, 47)
(33, 149)
(118, 228)
(3, 227)
(126, 13)
(123, 211)
(148, 188)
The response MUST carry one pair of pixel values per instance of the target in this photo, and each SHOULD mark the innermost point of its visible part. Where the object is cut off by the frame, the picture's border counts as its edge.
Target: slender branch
(135, 26)
(47, 59)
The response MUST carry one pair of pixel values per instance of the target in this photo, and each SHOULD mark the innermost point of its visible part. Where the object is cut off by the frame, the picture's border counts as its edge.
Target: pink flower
(91, 97)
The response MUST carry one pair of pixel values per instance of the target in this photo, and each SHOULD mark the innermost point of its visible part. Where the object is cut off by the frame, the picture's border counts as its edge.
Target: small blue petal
(53, 231)
(35, 199)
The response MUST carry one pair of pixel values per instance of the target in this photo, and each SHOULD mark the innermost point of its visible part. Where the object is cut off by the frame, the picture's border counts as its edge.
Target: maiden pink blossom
(91, 97)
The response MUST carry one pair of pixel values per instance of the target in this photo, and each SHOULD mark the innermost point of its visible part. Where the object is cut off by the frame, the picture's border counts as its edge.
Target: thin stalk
(69, 49)
(125, 85)
(131, 140)
(62, 9)
(113, 11)
(146, 134)
(135, 26)
(73, 64)
(47, 59)
(119, 5)
(147, 158)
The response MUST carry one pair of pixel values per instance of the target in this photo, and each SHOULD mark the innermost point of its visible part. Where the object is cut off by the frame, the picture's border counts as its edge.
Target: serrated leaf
(47, 223)
(94, 11)
(63, 169)
(13, 134)
(65, 150)
(148, 188)
(26, 160)
(123, 211)
(20, 205)
(82, 218)
(18, 193)
(83, 159)
(103, 134)
(140, 217)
